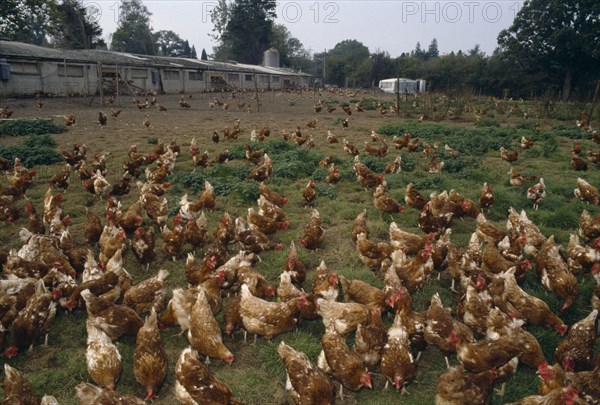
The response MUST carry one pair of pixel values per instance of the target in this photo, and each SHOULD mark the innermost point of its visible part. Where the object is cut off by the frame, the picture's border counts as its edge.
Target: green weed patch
(29, 127)
(35, 150)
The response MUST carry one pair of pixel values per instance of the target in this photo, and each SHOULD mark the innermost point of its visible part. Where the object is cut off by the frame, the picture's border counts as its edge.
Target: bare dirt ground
(278, 110)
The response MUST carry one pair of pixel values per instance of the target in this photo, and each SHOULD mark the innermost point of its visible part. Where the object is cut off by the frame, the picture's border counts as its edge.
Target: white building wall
(31, 77)
(172, 80)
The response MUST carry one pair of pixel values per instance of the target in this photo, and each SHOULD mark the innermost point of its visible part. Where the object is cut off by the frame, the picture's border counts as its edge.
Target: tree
(204, 55)
(219, 16)
(25, 20)
(168, 43)
(318, 63)
(382, 67)
(345, 64)
(134, 33)
(244, 29)
(186, 51)
(193, 54)
(410, 66)
(432, 51)
(476, 51)
(418, 52)
(73, 28)
(560, 38)
(291, 51)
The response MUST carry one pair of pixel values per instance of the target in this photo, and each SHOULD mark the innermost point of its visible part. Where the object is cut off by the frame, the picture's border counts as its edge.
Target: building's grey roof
(20, 50)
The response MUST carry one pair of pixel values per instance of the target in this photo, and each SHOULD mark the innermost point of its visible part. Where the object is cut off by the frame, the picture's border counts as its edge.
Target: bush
(29, 127)
(153, 140)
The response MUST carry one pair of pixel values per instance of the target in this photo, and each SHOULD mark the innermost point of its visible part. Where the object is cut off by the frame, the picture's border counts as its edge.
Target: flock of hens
(53, 272)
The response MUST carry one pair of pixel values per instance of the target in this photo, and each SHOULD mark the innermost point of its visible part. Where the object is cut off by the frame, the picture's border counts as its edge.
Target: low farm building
(27, 70)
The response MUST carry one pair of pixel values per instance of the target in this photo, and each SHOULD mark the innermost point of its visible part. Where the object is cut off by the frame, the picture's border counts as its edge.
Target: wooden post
(66, 78)
(118, 80)
(101, 83)
(86, 82)
(398, 96)
(205, 77)
(256, 91)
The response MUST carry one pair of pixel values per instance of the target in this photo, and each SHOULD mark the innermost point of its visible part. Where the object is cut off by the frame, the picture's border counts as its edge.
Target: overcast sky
(392, 26)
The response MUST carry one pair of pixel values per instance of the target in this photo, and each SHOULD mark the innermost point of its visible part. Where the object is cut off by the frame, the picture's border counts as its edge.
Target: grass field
(477, 127)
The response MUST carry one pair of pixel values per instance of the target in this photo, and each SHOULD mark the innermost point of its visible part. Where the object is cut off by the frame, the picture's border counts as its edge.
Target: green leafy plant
(29, 127)
(409, 162)
(246, 191)
(549, 147)
(326, 191)
(373, 163)
(36, 150)
(39, 141)
(458, 164)
(319, 174)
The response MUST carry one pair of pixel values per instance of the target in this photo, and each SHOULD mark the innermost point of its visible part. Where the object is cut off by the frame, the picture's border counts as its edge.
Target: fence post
(398, 96)
(101, 83)
(256, 91)
(66, 78)
(118, 80)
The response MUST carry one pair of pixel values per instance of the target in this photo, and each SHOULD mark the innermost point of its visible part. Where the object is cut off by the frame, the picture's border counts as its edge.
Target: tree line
(68, 24)
(551, 49)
